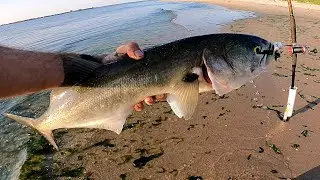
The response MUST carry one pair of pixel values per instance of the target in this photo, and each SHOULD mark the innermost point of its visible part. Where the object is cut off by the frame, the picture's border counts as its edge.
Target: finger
(161, 97)
(138, 107)
(148, 100)
(132, 49)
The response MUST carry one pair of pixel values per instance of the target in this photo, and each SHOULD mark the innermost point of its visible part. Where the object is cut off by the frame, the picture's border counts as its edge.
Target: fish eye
(257, 49)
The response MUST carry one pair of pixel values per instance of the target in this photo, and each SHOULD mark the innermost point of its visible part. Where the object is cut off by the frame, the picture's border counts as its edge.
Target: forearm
(24, 72)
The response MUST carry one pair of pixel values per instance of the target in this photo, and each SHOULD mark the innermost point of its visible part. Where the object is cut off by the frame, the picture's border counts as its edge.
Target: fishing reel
(301, 49)
(293, 49)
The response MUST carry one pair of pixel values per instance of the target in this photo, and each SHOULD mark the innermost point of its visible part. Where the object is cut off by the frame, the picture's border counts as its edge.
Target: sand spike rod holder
(292, 90)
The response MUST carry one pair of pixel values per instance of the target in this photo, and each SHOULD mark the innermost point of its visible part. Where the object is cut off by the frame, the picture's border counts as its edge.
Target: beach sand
(228, 137)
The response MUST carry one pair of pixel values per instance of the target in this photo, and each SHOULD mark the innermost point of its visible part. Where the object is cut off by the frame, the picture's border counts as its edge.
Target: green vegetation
(310, 1)
(296, 146)
(274, 147)
(37, 166)
(33, 168)
(305, 133)
(72, 172)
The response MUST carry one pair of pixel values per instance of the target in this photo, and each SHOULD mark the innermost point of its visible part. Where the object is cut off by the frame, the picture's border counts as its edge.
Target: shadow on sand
(307, 107)
(312, 174)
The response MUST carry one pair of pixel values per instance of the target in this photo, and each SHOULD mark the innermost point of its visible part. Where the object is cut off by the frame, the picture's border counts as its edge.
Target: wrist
(55, 72)
(77, 68)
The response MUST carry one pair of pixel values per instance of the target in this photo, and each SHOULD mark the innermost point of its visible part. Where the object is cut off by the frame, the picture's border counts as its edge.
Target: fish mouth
(205, 74)
(267, 54)
(271, 54)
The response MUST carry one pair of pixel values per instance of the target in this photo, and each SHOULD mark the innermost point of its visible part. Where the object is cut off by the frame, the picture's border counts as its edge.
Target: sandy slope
(273, 6)
(227, 137)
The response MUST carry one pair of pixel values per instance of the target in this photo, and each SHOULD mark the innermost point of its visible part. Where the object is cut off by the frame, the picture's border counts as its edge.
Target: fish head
(233, 60)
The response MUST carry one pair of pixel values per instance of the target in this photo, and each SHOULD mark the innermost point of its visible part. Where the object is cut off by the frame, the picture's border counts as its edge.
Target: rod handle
(290, 104)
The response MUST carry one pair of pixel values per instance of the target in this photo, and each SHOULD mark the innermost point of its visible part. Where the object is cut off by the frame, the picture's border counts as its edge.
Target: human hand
(133, 50)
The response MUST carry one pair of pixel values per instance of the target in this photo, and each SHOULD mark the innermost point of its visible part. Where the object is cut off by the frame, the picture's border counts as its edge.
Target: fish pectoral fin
(184, 98)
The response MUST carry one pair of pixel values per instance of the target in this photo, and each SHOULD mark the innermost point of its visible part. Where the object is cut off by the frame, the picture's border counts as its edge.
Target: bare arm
(24, 72)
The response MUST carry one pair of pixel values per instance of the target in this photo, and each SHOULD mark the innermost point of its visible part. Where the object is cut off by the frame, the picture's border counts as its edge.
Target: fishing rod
(294, 49)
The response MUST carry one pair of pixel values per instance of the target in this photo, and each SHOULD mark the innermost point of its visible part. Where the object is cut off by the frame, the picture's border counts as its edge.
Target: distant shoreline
(84, 9)
(50, 15)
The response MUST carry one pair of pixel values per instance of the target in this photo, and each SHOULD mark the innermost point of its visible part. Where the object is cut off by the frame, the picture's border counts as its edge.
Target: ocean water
(97, 31)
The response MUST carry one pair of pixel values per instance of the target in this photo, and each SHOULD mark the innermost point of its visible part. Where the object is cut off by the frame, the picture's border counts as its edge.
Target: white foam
(15, 171)
(208, 19)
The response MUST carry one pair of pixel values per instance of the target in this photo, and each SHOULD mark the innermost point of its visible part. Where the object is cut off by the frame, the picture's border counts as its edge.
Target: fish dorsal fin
(61, 98)
(184, 98)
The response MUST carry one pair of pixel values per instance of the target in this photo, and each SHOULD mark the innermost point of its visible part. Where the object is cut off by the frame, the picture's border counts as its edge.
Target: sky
(18, 10)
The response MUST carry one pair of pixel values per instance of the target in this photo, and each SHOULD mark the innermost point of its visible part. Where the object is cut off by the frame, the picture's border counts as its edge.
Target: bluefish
(104, 96)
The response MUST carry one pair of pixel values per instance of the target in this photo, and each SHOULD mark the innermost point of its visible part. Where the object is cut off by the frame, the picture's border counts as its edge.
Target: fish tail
(35, 125)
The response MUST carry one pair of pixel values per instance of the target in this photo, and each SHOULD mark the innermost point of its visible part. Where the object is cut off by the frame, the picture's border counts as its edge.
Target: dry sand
(227, 137)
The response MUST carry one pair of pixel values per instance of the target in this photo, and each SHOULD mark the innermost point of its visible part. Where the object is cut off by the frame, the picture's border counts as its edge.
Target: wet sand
(238, 136)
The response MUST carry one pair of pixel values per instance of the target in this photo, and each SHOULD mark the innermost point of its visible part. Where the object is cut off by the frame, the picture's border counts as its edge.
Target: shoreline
(278, 7)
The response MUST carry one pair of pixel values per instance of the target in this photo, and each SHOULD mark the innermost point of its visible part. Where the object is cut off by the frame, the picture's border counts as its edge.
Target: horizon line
(71, 11)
